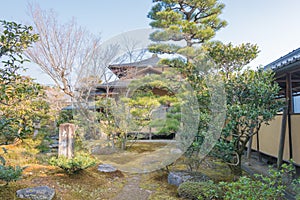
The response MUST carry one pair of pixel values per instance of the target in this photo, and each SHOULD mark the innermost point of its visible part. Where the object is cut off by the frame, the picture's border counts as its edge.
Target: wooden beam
(292, 80)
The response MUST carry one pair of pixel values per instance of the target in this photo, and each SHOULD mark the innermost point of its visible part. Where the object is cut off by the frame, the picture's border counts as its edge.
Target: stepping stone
(106, 168)
(37, 193)
(178, 177)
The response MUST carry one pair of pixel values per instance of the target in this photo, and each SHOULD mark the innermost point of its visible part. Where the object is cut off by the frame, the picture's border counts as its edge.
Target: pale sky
(271, 24)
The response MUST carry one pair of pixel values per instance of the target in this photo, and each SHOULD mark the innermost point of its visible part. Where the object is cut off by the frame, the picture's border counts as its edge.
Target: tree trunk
(236, 169)
(123, 144)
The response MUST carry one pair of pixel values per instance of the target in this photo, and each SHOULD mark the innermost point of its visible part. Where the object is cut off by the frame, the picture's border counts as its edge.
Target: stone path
(132, 191)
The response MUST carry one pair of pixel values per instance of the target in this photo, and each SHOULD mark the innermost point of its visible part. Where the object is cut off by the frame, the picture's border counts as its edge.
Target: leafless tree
(133, 50)
(62, 49)
(76, 60)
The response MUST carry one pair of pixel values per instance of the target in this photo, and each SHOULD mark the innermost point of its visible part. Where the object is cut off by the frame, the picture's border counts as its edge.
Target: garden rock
(37, 193)
(178, 177)
(106, 168)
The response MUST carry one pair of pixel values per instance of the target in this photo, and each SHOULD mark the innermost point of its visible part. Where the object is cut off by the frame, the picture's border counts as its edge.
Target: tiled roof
(115, 84)
(285, 60)
(152, 61)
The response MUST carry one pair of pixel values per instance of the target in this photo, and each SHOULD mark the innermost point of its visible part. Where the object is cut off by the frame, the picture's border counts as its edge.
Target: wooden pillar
(249, 149)
(289, 93)
(258, 148)
(289, 96)
(290, 136)
(66, 140)
(282, 137)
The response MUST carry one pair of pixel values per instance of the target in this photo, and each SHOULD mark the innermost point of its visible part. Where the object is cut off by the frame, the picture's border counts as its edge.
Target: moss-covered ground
(91, 184)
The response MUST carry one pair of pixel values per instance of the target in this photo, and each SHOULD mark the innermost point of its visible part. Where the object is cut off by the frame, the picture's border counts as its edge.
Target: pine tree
(190, 21)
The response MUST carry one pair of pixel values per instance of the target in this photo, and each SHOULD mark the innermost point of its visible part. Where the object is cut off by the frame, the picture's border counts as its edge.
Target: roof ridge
(153, 57)
(284, 58)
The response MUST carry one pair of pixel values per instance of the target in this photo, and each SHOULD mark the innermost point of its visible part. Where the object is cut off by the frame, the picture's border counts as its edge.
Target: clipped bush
(9, 173)
(199, 190)
(74, 165)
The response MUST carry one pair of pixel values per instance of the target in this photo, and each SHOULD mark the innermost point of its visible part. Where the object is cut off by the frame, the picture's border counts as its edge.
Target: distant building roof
(116, 84)
(287, 73)
(152, 61)
(284, 61)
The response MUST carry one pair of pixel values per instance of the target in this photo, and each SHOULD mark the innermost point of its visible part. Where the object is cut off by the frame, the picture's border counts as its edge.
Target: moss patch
(91, 184)
(157, 182)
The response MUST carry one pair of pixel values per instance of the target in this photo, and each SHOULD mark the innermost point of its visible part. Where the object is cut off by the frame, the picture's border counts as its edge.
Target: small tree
(20, 98)
(251, 98)
(160, 112)
(141, 109)
(24, 104)
(251, 102)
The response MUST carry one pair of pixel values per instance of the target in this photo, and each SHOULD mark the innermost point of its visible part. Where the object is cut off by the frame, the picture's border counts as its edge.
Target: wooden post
(66, 140)
(289, 97)
(282, 137)
(290, 136)
(258, 148)
(249, 149)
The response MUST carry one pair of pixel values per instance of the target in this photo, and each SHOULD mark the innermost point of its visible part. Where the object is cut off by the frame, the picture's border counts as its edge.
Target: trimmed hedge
(199, 190)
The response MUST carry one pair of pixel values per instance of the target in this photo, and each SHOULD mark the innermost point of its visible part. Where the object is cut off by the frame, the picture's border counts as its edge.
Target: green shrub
(43, 147)
(199, 190)
(65, 116)
(246, 188)
(9, 173)
(296, 188)
(262, 187)
(74, 165)
(258, 188)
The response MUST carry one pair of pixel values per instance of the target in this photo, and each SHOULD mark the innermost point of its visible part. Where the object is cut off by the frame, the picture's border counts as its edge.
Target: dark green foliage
(15, 38)
(199, 190)
(191, 21)
(65, 116)
(257, 188)
(21, 99)
(246, 188)
(9, 173)
(43, 147)
(251, 102)
(230, 58)
(249, 94)
(143, 103)
(261, 187)
(73, 165)
(22, 104)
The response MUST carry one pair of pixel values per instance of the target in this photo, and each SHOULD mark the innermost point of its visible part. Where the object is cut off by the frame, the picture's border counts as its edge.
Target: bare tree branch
(62, 48)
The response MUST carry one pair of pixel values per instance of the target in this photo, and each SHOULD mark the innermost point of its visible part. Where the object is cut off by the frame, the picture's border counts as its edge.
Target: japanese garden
(183, 118)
